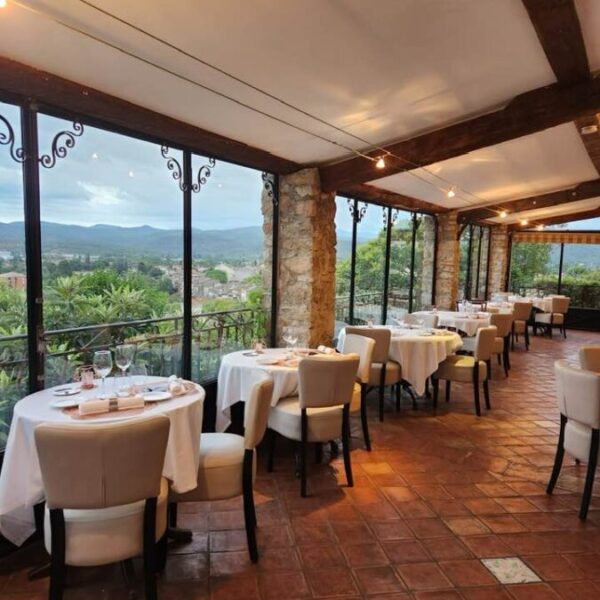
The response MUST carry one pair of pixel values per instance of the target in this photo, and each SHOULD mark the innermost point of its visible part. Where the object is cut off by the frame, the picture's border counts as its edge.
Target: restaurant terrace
(299, 299)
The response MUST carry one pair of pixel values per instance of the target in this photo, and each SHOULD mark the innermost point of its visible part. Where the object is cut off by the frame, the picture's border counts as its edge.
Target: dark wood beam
(22, 83)
(558, 220)
(559, 31)
(370, 193)
(528, 113)
(582, 191)
(591, 141)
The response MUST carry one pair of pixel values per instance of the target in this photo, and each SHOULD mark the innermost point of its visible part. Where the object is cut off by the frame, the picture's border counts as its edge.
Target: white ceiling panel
(589, 17)
(551, 211)
(550, 160)
(383, 70)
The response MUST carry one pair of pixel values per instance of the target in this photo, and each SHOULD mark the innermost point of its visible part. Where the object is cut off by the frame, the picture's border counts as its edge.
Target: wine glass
(103, 365)
(139, 374)
(290, 338)
(123, 357)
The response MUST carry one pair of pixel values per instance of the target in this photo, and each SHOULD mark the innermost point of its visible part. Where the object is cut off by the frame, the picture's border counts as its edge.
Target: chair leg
(526, 337)
(488, 362)
(249, 511)
(318, 453)
(57, 557)
(558, 459)
(172, 514)
(476, 389)
(448, 385)
(346, 444)
(303, 443)
(381, 391)
(486, 394)
(436, 390)
(398, 396)
(271, 449)
(363, 417)
(161, 553)
(591, 472)
(150, 549)
(499, 358)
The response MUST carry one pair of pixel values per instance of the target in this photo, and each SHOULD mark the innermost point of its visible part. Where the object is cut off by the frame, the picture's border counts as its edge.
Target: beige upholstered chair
(321, 411)
(589, 358)
(364, 347)
(578, 393)
(106, 500)
(556, 317)
(384, 371)
(227, 462)
(503, 323)
(467, 369)
(429, 321)
(521, 314)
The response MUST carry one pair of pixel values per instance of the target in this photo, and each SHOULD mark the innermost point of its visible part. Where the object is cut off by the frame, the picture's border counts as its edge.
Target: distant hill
(110, 240)
(576, 254)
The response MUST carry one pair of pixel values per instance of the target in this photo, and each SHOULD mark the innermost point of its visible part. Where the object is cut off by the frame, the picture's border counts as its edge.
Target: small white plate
(267, 361)
(66, 391)
(156, 396)
(66, 403)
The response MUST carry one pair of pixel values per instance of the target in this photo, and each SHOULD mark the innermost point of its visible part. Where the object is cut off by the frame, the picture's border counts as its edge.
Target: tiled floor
(438, 493)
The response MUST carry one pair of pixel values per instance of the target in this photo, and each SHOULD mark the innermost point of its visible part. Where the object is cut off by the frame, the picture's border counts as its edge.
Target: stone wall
(446, 289)
(428, 225)
(498, 259)
(307, 241)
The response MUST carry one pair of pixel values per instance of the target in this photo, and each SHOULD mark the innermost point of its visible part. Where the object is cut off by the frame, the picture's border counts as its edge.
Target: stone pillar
(498, 259)
(427, 275)
(307, 241)
(446, 283)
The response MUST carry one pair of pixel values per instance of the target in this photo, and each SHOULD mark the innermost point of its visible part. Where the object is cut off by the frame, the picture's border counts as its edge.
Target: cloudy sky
(112, 179)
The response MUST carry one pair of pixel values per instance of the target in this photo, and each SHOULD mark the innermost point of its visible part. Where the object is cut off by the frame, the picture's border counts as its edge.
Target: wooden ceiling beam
(558, 28)
(591, 140)
(582, 191)
(370, 193)
(26, 84)
(558, 220)
(528, 113)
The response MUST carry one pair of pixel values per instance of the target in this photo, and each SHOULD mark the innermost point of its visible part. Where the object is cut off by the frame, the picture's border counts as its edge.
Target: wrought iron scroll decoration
(357, 213)
(63, 142)
(385, 218)
(204, 172)
(8, 139)
(269, 185)
(173, 166)
(394, 216)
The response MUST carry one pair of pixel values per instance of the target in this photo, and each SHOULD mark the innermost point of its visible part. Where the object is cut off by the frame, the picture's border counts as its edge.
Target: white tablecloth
(461, 321)
(418, 354)
(21, 480)
(543, 304)
(238, 373)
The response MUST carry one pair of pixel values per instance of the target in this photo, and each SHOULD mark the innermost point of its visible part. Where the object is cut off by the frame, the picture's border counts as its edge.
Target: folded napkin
(98, 406)
(176, 386)
(325, 350)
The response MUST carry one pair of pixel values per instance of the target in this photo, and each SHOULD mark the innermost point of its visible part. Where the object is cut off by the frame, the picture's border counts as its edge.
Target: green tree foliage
(217, 275)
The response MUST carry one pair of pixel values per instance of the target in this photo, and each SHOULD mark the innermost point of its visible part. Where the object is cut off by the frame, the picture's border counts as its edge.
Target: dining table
(239, 371)
(468, 323)
(21, 486)
(419, 351)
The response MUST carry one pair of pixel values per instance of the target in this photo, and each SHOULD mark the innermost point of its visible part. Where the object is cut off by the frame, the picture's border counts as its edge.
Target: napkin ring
(113, 404)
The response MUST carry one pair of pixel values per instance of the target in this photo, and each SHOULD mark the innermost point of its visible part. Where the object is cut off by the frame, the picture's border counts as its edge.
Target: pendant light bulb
(380, 164)
(524, 222)
(503, 214)
(451, 193)
(540, 227)
(3, 3)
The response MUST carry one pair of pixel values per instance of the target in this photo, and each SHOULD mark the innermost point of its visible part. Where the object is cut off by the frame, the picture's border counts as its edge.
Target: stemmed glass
(103, 365)
(123, 357)
(139, 374)
(289, 338)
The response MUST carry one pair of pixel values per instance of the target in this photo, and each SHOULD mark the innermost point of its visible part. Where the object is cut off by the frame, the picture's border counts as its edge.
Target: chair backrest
(492, 309)
(560, 304)
(429, 321)
(503, 323)
(484, 342)
(256, 413)
(382, 337)
(578, 393)
(589, 358)
(364, 347)
(522, 311)
(98, 466)
(327, 380)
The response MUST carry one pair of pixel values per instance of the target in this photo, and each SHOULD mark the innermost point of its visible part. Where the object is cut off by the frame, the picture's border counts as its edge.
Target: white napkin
(325, 349)
(176, 386)
(98, 406)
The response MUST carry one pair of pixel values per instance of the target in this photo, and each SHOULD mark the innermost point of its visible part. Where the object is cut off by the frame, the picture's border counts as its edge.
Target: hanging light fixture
(503, 214)
(380, 164)
(540, 227)
(3, 3)
(524, 222)
(451, 193)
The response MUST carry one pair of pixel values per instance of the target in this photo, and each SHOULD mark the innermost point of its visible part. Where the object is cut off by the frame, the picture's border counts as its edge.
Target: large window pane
(400, 262)
(111, 251)
(229, 276)
(370, 265)
(581, 275)
(343, 228)
(424, 262)
(534, 268)
(13, 308)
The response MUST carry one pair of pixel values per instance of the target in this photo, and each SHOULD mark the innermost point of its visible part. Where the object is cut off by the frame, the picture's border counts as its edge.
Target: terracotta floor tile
(533, 591)
(423, 576)
(331, 582)
(283, 585)
(392, 530)
(554, 567)
(588, 563)
(466, 525)
(484, 506)
(486, 593)
(503, 524)
(365, 555)
(577, 590)
(350, 532)
(427, 528)
(379, 580)
(230, 588)
(405, 551)
(321, 556)
(467, 573)
(438, 595)
(446, 548)
(487, 546)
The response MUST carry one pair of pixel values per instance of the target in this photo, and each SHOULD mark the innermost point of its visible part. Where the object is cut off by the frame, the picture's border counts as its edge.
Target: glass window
(13, 276)
(343, 228)
(581, 275)
(111, 251)
(400, 263)
(370, 264)
(229, 273)
(534, 268)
